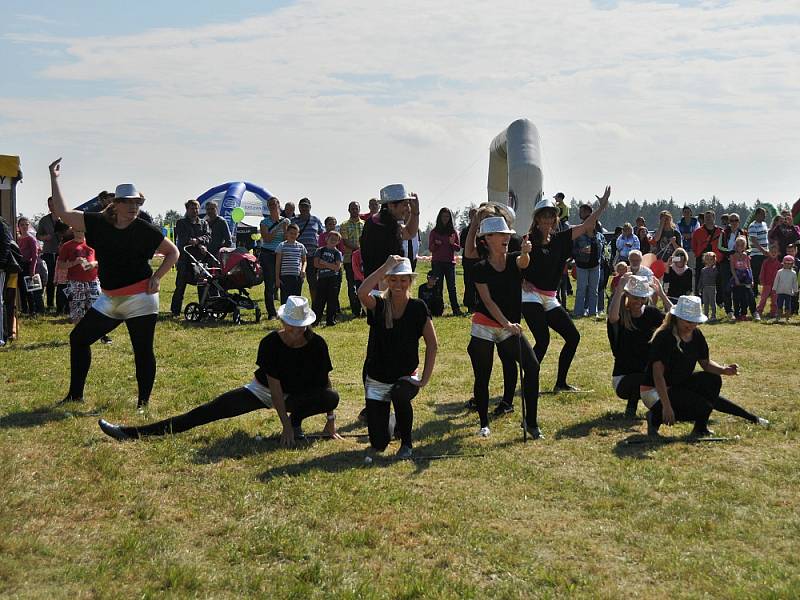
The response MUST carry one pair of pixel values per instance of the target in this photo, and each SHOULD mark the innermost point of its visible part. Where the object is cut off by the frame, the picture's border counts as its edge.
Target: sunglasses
(136, 201)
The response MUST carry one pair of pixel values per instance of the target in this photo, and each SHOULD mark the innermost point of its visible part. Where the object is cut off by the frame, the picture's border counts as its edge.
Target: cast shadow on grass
(451, 408)
(602, 425)
(32, 418)
(641, 446)
(39, 345)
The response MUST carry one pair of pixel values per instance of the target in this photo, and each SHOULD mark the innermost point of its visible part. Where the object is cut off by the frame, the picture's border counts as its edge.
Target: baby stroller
(238, 270)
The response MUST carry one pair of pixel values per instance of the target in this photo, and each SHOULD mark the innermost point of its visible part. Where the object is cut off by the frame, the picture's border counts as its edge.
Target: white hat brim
(293, 322)
(701, 319)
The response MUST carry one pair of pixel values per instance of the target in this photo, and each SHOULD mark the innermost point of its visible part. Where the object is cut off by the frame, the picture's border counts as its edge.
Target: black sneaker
(298, 432)
(565, 387)
(503, 408)
(701, 432)
(362, 416)
(534, 432)
(652, 428)
(114, 431)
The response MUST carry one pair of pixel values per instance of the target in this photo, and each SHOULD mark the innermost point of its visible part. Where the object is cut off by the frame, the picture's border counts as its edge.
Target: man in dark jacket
(191, 236)
(218, 227)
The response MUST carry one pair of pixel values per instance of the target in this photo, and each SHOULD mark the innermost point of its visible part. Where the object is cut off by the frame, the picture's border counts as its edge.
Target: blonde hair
(707, 256)
(683, 253)
(625, 315)
(742, 239)
(670, 323)
(635, 252)
(386, 294)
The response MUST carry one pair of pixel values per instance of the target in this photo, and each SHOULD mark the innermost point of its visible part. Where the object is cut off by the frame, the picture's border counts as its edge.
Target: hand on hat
(391, 262)
(55, 167)
(604, 200)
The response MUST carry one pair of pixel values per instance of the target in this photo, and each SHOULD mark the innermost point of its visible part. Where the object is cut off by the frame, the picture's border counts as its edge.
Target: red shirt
(701, 239)
(73, 250)
(769, 268)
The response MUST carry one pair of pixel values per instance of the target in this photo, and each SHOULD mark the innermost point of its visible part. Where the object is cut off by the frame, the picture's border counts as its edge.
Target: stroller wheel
(193, 312)
(218, 315)
(236, 316)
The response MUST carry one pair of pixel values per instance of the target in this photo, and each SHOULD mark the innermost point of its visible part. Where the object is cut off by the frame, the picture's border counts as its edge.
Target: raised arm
(409, 230)
(616, 299)
(73, 218)
(372, 280)
(470, 247)
(589, 224)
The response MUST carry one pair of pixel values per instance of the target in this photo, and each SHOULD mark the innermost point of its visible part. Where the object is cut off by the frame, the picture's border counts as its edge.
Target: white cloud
(333, 100)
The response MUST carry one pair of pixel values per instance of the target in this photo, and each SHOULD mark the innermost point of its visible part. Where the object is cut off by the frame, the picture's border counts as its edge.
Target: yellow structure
(10, 174)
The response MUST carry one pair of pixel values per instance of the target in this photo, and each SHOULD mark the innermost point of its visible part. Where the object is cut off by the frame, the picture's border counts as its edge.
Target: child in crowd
(83, 287)
(742, 282)
(358, 270)
(708, 285)
(430, 294)
(31, 265)
(791, 250)
(769, 269)
(330, 225)
(290, 264)
(679, 276)
(620, 269)
(328, 262)
(785, 287)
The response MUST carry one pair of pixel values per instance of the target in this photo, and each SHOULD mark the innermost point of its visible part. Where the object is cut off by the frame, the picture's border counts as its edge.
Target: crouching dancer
(396, 322)
(292, 377)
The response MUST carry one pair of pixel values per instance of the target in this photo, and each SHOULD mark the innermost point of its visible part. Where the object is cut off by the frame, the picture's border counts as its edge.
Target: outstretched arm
(73, 218)
(589, 224)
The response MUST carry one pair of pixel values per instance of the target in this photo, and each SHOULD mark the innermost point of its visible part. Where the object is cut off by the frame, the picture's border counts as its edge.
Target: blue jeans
(586, 291)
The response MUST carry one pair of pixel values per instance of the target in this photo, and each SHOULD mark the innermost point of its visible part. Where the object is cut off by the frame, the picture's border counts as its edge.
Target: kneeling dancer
(292, 377)
(496, 319)
(396, 322)
(672, 391)
(632, 321)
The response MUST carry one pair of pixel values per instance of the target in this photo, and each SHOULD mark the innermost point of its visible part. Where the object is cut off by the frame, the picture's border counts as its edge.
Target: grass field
(216, 512)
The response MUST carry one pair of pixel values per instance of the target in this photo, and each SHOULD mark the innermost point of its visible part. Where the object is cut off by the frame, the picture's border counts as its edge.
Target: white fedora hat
(395, 192)
(639, 286)
(494, 225)
(545, 203)
(689, 308)
(402, 268)
(126, 190)
(508, 212)
(296, 312)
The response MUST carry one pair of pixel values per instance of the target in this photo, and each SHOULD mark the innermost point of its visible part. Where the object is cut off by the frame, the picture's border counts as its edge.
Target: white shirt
(760, 232)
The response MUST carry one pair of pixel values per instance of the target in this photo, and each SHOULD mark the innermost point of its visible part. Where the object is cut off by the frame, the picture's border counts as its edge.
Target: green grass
(214, 512)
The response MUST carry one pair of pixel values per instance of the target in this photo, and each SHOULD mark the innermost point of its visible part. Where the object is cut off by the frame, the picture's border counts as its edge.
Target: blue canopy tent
(248, 196)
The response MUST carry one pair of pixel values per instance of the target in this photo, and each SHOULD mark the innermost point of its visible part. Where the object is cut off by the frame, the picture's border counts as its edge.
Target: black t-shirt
(298, 369)
(632, 348)
(123, 255)
(505, 287)
(394, 353)
(547, 262)
(432, 298)
(679, 285)
(378, 242)
(678, 364)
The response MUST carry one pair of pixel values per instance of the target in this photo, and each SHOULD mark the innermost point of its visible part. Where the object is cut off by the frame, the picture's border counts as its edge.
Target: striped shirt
(292, 254)
(760, 232)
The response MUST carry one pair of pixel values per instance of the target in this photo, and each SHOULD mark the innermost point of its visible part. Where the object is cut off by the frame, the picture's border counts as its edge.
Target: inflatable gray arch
(515, 170)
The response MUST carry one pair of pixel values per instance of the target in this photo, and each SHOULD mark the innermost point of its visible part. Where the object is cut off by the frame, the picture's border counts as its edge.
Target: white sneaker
(731, 317)
(763, 422)
(756, 317)
(484, 432)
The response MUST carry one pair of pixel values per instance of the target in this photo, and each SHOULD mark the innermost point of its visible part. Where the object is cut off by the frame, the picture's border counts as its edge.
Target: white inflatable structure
(515, 171)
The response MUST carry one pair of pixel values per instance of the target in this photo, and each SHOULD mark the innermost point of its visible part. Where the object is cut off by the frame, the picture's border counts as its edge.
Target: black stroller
(238, 270)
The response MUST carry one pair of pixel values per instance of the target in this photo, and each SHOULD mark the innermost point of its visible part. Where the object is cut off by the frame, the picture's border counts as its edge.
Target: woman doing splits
(632, 320)
(540, 306)
(292, 377)
(396, 322)
(671, 390)
(496, 322)
(124, 245)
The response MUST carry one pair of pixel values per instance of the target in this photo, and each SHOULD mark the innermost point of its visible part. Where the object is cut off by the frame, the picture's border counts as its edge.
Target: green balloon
(237, 214)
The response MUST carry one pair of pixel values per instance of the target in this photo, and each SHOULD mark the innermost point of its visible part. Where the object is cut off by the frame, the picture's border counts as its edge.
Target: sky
(335, 99)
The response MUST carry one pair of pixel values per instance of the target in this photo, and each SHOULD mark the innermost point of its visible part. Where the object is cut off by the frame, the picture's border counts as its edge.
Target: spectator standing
(678, 279)
(51, 239)
(289, 211)
(83, 286)
(665, 238)
(705, 239)
(374, 207)
(742, 282)
(727, 246)
(467, 264)
(430, 293)
(9, 267)
(31, 302)
(290, 264)
(785, 287)
(192, 236)
(386, 232)
(310, 228)
(351, 231)
(708, 285)
(328, 263)
(443, 244)
(626, 242)
(586, 251)
(758, 232)
(218, 228)
(784, 232)
(686, 228)
(645, 241)
(273, 232)
(769, 269)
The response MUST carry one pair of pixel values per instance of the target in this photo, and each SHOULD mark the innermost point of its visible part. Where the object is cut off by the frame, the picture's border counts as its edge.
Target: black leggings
(401, 395)
(238, 402)
(95, 325)
(694, 399)
(628, 389)
(557, 319)
(481, 353)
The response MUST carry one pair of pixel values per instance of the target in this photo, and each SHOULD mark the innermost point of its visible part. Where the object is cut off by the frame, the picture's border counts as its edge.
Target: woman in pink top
(31, 302)
(443, 244)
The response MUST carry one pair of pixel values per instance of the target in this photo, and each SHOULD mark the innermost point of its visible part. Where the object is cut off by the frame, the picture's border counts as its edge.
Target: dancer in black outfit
(396, 323)
(496, 322)
(292, 377)
(632, 320)
(671, 390)
(124, 245)
(540, 306)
